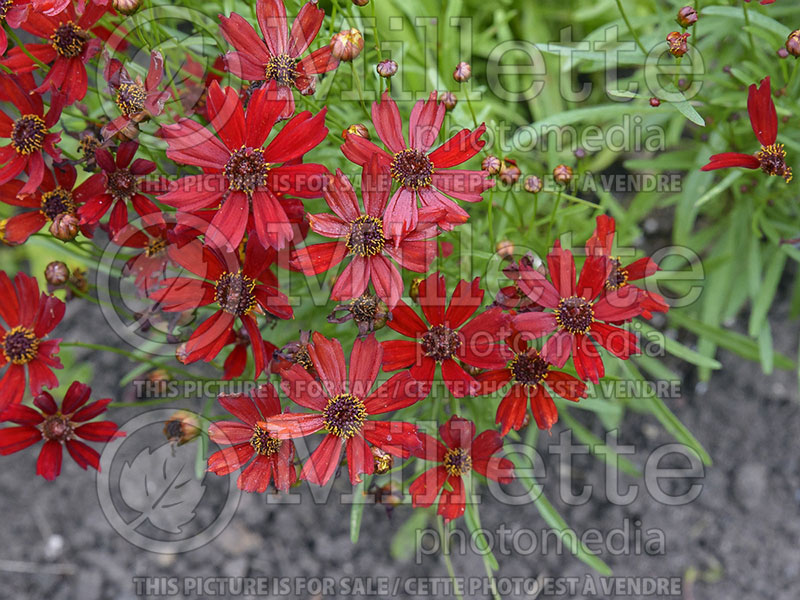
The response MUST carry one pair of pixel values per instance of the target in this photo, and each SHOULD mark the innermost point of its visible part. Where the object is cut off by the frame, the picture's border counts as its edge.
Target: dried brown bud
(182, 427)
(449, 100)
(793, 43)
(65, 227)
(687, 16)
(56, 273)
(126, 7)
(369, 312)
(386, 68)
(347, 45)
(463, 72)
(533, 184)
(383, 461)
(356, 129)
(655, 102)
(78, 279)
(505, 248)
(562, 174)
(509, 171)
(87, 146)
(677, 43)
(491, 164)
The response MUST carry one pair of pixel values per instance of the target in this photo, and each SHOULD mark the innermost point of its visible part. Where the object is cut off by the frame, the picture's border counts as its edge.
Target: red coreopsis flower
(70, 45)
(236, 361)
(602, 243)
(460, 453)
(528, 373)
(361, 235)
(764, 119)
(578, 315)
(342, 408)
(418, 172)
(235, 286)
(29, 132)
(511, 297)
(56, 196)
(277, 57)
(123, 180)
(29, 317)
(448, 335)
(242, 179)
(136, 100)
(248, 439)
(59, 426)
(14, 13)
(149, 266)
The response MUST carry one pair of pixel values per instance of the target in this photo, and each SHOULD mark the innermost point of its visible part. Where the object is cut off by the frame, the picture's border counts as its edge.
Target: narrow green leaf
(356, 511)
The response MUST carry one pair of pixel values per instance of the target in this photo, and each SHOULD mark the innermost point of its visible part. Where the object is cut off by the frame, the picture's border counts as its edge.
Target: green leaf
(756, 18)
(356, 511)
(599, 448)
(762, 301)
(404, 542)
(683, 352)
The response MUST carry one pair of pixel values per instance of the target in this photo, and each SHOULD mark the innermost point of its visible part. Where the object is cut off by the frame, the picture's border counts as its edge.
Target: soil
(738, 539)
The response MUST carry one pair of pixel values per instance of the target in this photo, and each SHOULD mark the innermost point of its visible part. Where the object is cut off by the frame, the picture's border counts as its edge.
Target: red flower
(447, 336)
(242, 180)
(123, 180)
(149, 266)
(236, 286)
(461, 453)
(69, 47)
(342, 407)
(236, 361)
(136, 100)
(29, 316)
(601, 244)
(57, 427)
(418, 172)
(29, 133)
(579, 315)
(764, 119)
(763, 1)
(13, 12)
(274, 458)
(528, 373)
(55, 196)
(276, 58)
(361, 236)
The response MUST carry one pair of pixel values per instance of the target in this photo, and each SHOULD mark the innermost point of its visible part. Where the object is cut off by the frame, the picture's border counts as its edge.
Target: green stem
(360, 91)
(553, 218)
(630, 27)
(747, 24)
(25, 51)
(446, 553)
(469, 105)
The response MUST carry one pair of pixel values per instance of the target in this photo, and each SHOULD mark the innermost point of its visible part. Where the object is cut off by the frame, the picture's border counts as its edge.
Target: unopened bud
(687, 16)
(463, 72)
(56, 273)
(347, 45)
(491, 164)
(65, 227)
(533, 184)
(182, 427)
(360, 2)
(509, 172)
(677, 43)
(505, 248)
(126, 7)
(449, 100)
(793, 43)
(655, 102)
(383, 461)
(356, 129)
(386, 68)
(562, 174)
(413, 291)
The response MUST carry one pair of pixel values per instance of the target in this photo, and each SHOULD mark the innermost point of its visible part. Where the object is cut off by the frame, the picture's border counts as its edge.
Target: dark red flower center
(282, 69)
(28, 133)
(344, 415)
(618, 277)
(366, 236)
(57, 202)
(529, 368)
(122, 184)
(20, 345)
(773, 161)
(303, 358)
(87, 146)
(130, 98)
(173, 429)
(235, 293)
(575, 315)
(57, 428)
(364, 308)
(412, 169)
(457, 462)
(263, 443)
(155, 247)
(246, 170)
(440, 343)
(69, 40)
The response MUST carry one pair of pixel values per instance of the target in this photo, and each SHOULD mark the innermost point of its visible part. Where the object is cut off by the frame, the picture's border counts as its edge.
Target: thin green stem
(24, 50)
(446, 554)
(630, 27)
(747, 25)
(360, 91)
(556, 203)
(469, 105)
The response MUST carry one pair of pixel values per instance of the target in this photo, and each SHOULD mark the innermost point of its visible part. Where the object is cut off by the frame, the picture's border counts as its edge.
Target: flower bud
(413, 291)
(386, 68)
(65, 227)
(491, 164)
(347, 45)
(56, 273)
(687, 16)
(793, 43)
(509, 172)
(383, 461)
(86, 148)
(126, 7)
(78, 279)
(579, 153)
(449, 100)
(783, 53)
(360, 2)
(655, 102)
(677, 43)
(562, 174)
(369, 313)
(505, 248)
(356, 129)
(533, 184)
(463, 72)
(3, 223)
(182, 427)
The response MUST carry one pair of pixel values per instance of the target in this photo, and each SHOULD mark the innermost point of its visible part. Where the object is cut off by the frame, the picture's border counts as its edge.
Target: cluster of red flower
(243, 205)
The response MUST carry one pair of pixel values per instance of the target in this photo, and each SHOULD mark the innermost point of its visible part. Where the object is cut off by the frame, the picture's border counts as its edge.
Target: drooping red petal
(763, 116)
